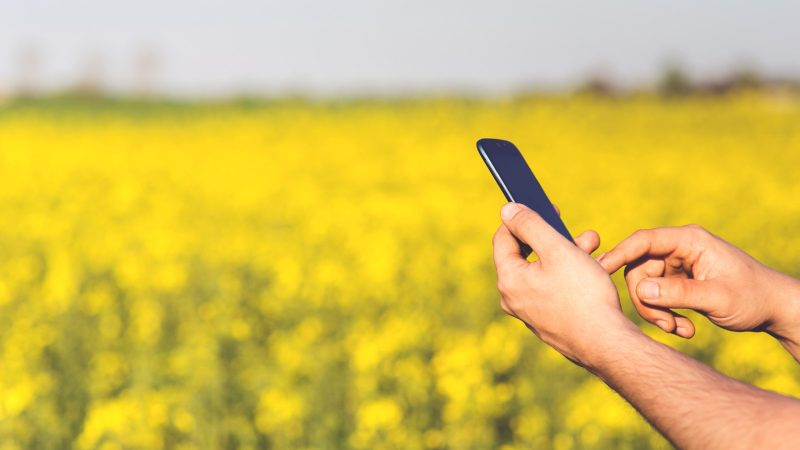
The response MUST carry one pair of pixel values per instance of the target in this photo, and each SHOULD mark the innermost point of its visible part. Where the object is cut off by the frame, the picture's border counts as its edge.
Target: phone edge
(494, 173)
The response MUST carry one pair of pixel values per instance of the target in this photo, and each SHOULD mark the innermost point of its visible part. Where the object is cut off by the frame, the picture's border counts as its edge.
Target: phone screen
(517, 182)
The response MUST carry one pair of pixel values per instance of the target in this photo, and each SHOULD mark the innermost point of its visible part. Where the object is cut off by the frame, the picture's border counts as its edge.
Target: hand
(565, 297)
(688, 267)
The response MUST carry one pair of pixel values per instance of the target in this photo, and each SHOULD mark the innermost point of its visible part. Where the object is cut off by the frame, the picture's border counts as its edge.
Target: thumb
(701, 296)
(531, 228)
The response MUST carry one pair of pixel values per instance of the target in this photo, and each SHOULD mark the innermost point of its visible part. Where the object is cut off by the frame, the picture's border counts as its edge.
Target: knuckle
(504, 286)
(527, 218)
(648, 314)
(696, 230)
(682, 289)
(627, 273)
(504, 306)
(496, 238)
(631, 274)
(644, 311)
(640, 234)
(525, 221)
(650, 318)
(513, 304)
(510, 288)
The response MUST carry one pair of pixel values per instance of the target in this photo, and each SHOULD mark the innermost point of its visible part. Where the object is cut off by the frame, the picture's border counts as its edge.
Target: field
(294, 275)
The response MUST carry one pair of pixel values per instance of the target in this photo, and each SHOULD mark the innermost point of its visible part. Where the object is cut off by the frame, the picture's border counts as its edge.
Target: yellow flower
(318, 275)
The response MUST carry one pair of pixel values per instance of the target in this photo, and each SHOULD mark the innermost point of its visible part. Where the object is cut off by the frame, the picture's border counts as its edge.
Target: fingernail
(662, 324)
(682, 332)
(600, 257)
(509, 210)
(649, 290)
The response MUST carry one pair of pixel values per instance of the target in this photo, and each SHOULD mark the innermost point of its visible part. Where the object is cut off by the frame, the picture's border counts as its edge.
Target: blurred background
(265, 225)
(206, 49)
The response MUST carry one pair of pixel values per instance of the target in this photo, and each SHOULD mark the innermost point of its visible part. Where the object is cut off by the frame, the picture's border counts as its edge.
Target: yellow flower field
(299, 275)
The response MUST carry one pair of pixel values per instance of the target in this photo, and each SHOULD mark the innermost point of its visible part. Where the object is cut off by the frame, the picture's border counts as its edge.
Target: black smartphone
(517, 182)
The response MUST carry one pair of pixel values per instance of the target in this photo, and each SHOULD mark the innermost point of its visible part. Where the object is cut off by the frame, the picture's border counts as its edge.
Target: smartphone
(517, 182)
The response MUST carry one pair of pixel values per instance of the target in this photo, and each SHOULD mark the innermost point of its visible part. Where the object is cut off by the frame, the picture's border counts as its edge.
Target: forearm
(692, 405)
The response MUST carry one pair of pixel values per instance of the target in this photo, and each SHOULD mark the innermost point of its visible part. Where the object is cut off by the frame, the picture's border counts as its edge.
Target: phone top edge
(483, 141)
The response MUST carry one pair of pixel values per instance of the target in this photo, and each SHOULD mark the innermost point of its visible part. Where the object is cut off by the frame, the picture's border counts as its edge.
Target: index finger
(657, 242)
(506, 249)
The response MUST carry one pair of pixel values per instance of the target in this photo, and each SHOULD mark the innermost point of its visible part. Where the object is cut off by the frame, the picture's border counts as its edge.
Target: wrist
(784, 323)
(618, 337)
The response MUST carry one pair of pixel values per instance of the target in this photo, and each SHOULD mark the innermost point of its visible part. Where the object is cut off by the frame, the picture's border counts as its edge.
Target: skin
(688, 267)
(568, 300)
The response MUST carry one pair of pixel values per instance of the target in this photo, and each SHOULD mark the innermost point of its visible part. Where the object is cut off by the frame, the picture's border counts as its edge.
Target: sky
(214, 48)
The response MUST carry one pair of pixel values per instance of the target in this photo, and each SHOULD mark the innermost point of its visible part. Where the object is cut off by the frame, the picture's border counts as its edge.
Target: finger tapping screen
(517, 182)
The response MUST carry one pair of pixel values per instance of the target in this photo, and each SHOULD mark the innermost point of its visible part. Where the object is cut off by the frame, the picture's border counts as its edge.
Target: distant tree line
(675, 81)
(90, 81)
